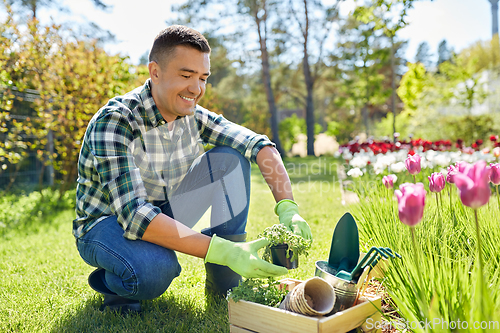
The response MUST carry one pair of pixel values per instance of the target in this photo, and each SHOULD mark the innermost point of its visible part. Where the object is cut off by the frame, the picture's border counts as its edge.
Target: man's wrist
(284, 202)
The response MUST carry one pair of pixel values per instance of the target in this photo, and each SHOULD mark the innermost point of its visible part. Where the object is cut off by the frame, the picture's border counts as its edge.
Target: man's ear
(154, 71)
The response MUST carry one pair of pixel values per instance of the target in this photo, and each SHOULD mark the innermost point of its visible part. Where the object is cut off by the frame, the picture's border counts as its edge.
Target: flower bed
(450, 244)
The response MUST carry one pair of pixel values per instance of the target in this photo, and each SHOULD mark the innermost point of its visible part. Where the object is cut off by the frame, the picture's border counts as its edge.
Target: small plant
(279, 234)
(258, 291)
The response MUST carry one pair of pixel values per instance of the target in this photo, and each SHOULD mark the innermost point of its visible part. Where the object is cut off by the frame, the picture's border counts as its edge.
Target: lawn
(44, 288)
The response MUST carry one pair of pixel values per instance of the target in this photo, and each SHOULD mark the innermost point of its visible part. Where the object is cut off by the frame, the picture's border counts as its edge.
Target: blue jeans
(140, 270)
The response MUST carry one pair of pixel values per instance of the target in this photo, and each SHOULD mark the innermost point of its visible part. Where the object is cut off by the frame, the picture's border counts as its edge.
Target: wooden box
(245, 317)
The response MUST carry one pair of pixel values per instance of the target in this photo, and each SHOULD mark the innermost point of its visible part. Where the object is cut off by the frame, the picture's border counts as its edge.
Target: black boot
(112, 300)
(221, 278)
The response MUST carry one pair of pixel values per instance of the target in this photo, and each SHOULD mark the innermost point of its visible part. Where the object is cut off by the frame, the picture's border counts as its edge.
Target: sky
(460, 22)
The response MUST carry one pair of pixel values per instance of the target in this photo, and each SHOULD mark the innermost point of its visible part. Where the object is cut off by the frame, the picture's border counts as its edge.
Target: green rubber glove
(242, 258)
(288, 212)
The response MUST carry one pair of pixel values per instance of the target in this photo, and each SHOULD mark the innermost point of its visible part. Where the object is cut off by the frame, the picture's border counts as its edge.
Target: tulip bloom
(389, 180)
(412, 164)
(473, 184)
(411, 202)
(452, 171)
(436, 182)
(495, 173)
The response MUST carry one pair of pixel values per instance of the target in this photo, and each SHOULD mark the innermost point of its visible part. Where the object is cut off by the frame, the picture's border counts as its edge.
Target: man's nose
(195, 87)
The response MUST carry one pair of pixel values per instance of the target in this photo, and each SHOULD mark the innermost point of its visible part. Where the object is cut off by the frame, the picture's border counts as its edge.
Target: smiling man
(144, 180)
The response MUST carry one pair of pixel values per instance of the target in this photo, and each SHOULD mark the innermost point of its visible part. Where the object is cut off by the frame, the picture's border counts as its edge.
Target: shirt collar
(152, 111)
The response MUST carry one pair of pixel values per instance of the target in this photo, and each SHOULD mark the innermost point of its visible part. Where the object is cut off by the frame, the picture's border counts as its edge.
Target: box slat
(351, 318)
(236, 329)
(261, 318)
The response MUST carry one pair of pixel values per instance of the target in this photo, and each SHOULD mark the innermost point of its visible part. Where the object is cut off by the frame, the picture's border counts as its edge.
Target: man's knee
(148, 280)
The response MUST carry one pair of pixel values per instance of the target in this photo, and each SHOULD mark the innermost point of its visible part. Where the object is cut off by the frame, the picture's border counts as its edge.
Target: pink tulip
(473, 184)
(461, 166)
(411, 202)
(436, 182)
(452, 171)
(412, 164)
(389, 180)
(495, 173)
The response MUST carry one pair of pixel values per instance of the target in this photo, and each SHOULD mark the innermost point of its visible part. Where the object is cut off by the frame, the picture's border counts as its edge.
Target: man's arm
(273, 170)
(171, 234)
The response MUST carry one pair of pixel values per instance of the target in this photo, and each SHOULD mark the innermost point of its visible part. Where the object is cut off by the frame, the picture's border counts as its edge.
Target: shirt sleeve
(109, 142)
(217, 130)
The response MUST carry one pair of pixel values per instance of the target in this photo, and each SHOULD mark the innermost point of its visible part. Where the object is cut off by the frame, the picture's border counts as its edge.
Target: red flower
(493, 138)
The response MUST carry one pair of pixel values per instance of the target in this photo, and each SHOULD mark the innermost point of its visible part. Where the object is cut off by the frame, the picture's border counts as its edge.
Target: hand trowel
(344, 251)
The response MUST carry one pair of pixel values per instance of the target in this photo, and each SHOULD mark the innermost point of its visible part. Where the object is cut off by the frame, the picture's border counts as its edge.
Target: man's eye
(185, 76)
(204, 80)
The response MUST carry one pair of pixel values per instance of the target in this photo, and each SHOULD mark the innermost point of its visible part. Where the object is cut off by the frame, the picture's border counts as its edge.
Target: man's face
(180, 83)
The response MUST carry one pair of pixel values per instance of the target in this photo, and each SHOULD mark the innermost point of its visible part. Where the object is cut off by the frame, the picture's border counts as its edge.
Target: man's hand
(288, 212)
(242, 258)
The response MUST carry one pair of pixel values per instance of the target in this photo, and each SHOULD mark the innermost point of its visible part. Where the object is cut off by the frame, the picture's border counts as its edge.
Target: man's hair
(175, 35)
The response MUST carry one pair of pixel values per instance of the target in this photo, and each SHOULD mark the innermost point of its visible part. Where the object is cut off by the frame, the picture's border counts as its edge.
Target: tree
(242, 15)
(389, 15)
(444, 53)
(423, 54)
(73, 78)
(314, 22)
(363, 61)
(460, 81)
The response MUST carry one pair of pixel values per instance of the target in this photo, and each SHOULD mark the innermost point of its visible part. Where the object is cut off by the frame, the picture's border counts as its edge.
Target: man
(144, 180)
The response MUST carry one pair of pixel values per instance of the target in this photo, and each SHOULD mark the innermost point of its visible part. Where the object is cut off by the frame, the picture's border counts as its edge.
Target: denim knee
(144, 279)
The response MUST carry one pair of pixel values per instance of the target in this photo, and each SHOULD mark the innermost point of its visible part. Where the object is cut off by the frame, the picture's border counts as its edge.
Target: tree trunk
(393, 87)
(266, 79)
(364, 112)
(309, 87)
(494, 17)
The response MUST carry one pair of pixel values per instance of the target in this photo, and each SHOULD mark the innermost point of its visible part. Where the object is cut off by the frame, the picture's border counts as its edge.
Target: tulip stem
(498, 198)
(480, 259)
(419, 285)
(414, 179)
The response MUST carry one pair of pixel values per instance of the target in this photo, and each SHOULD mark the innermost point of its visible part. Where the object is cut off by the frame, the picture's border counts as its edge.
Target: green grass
(43, 284)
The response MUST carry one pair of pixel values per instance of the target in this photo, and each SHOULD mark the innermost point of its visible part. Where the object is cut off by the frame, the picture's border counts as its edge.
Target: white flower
(358, 162)
(4, 166)
(355, 173)
(398, 167)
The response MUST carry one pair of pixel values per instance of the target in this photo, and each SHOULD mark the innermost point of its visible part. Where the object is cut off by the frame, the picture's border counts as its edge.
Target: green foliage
(31, 211)
(265, 292)
(72, 78)
(289, 129)
(279, 234)
(470, 128)
(403, 121)
(412, 86)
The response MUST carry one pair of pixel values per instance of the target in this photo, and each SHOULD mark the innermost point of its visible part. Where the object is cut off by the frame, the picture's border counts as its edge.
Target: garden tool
(371, 258)
(344, 250)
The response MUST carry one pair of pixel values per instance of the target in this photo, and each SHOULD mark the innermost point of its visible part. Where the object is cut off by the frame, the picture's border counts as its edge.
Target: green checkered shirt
(130, 158)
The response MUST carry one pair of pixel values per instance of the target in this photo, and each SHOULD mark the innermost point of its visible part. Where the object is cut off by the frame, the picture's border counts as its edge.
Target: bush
(32, 211)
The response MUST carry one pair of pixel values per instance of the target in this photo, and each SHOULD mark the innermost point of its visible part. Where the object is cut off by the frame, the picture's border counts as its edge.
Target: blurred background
(310, 74)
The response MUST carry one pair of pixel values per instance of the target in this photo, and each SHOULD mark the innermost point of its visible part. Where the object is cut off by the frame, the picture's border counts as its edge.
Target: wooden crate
(245, 317)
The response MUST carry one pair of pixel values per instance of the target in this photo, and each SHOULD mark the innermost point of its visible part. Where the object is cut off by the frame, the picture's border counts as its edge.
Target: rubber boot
(220, 278)
(111, 300)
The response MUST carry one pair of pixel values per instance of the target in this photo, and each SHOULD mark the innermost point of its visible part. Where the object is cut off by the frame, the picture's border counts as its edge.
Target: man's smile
(187, 98)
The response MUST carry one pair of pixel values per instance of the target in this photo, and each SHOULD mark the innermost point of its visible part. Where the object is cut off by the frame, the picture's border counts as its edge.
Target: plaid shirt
(130, 158)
